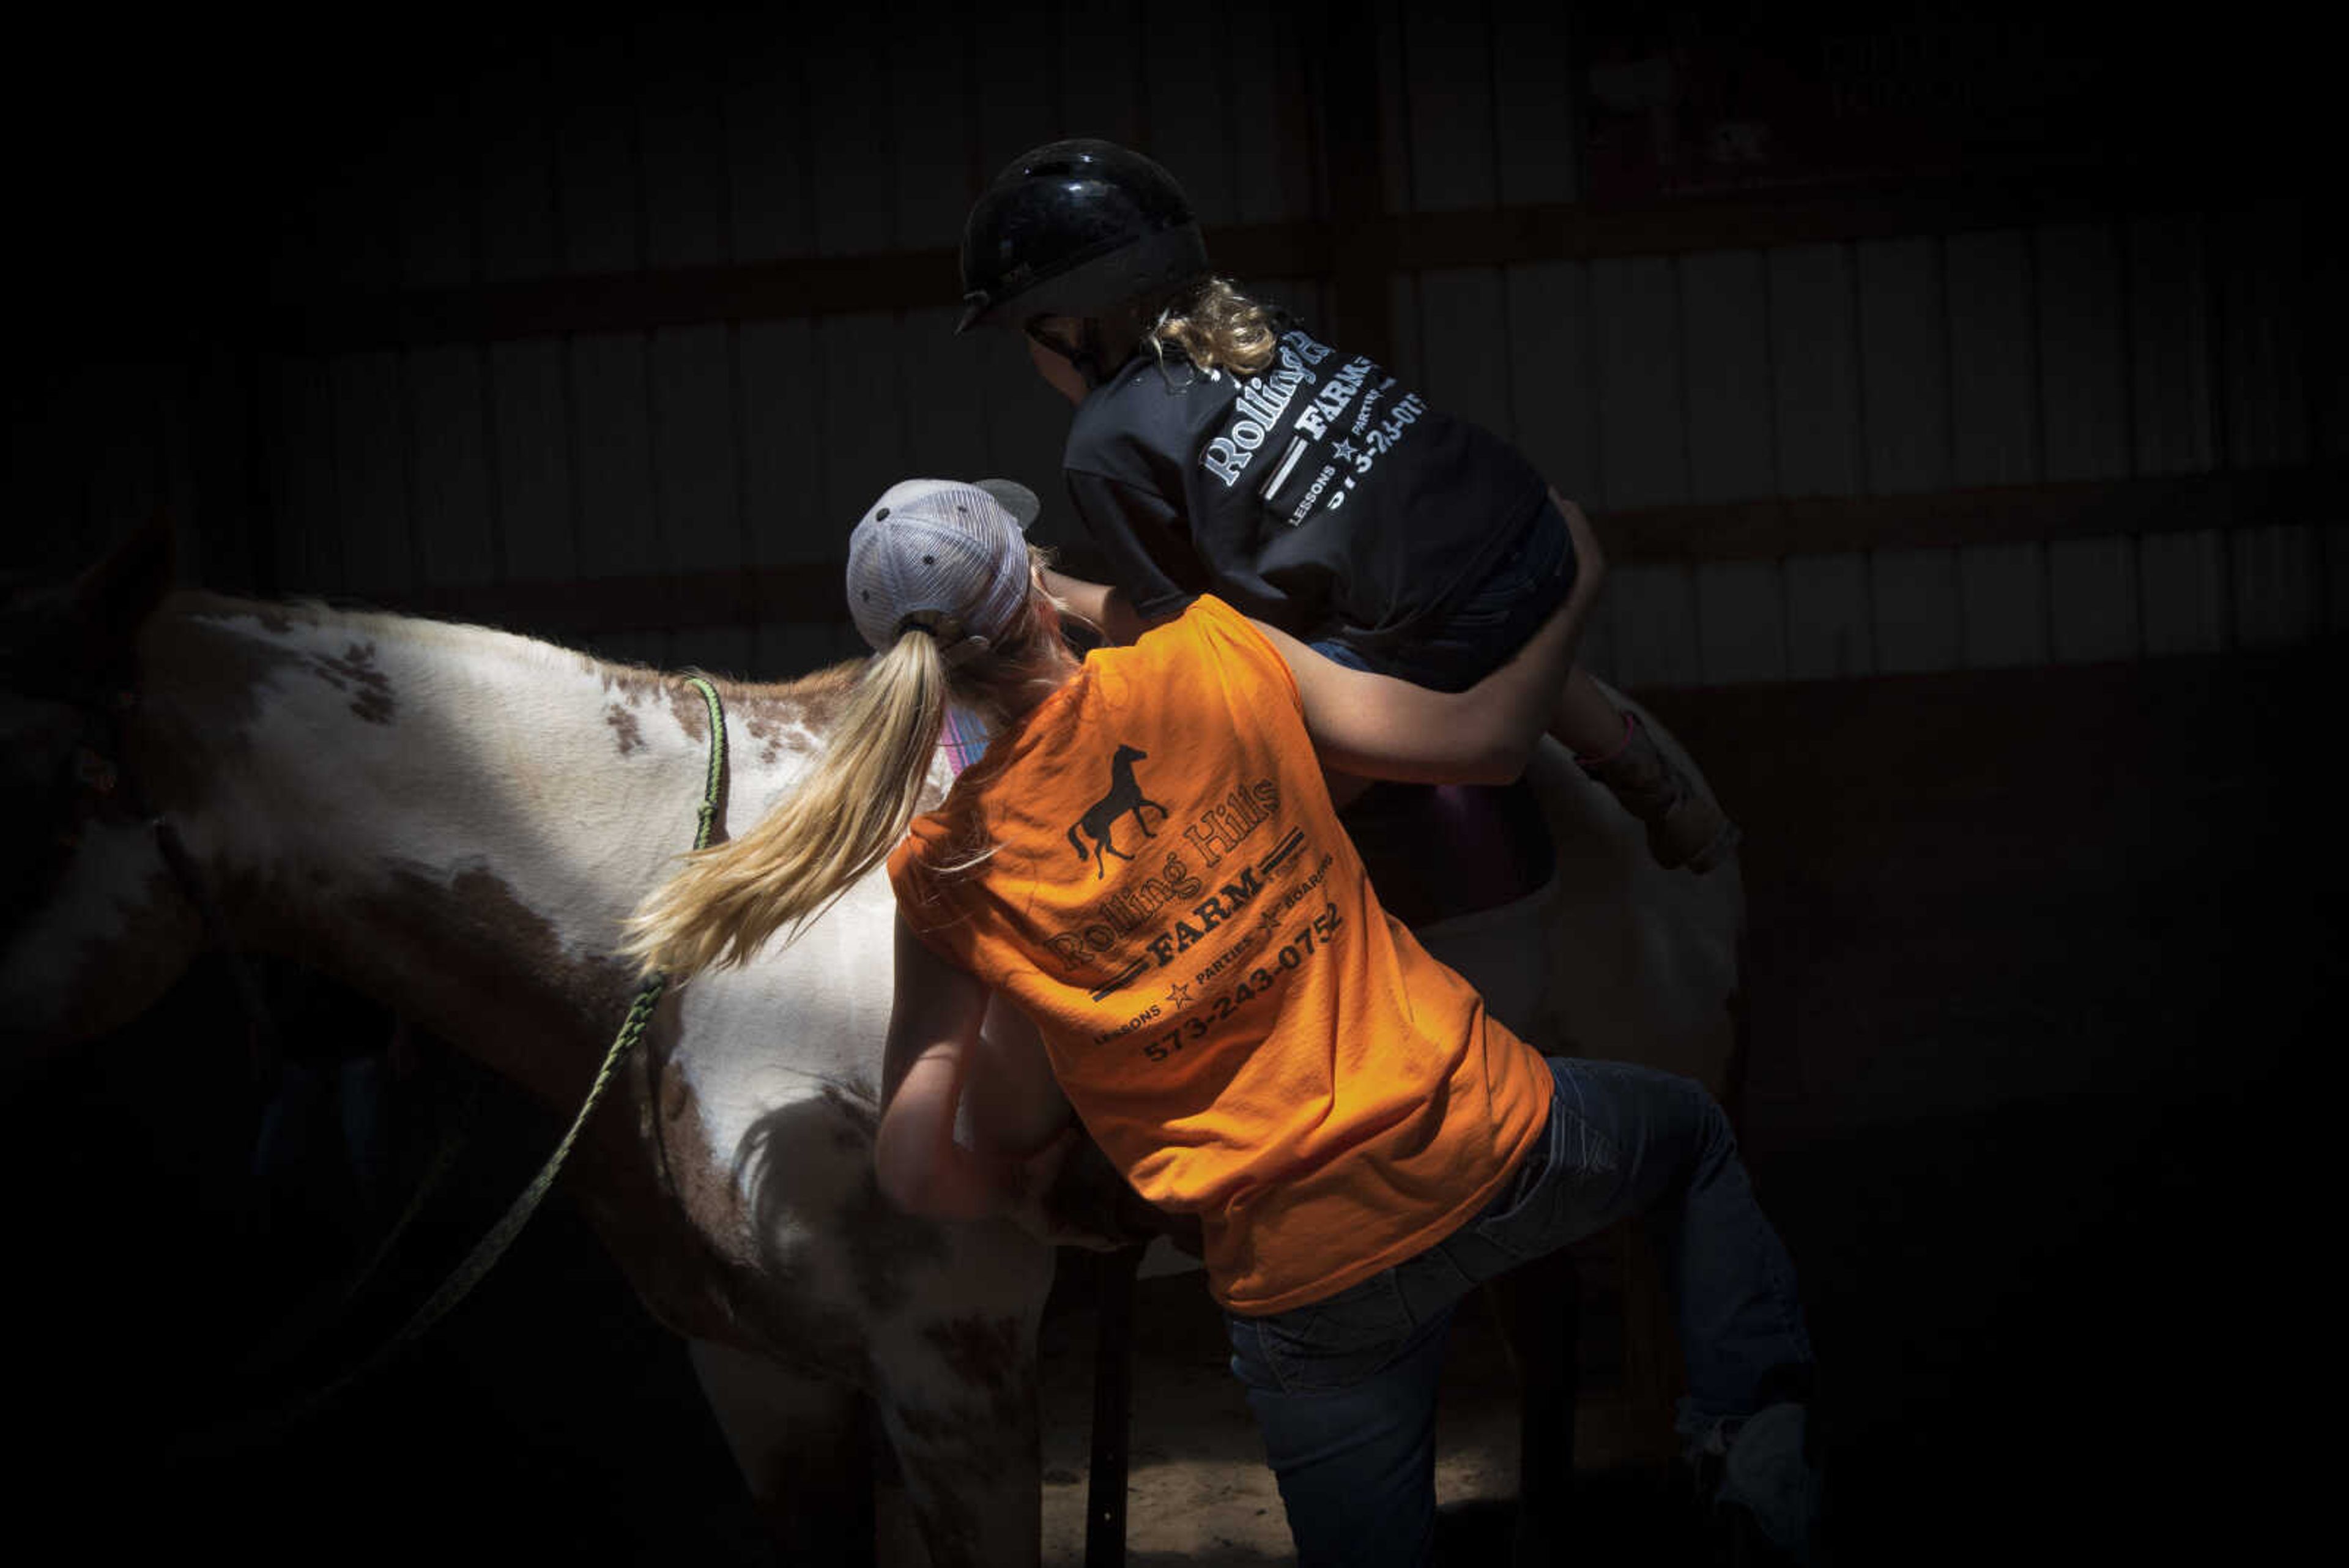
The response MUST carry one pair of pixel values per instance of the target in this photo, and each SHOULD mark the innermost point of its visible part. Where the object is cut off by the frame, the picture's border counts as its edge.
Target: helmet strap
(1102, 348)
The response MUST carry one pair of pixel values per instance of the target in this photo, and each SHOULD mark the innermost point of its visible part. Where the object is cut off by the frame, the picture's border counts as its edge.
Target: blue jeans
(1344, 1388)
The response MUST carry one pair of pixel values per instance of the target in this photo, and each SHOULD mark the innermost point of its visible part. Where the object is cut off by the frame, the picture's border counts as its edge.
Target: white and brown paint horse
(455, 820)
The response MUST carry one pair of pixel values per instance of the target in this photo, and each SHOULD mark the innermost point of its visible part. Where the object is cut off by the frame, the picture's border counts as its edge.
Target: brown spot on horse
(355, 673)
(624, 726)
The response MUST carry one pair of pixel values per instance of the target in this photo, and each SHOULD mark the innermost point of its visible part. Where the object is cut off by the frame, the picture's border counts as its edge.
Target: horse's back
(1646, 960)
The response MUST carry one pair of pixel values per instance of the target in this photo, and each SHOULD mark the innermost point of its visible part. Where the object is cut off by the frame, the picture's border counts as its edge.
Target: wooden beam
(1360, 318)
(581, 606)
(619, 302)
(1359, 245)
(1733, 531)
(1504, 237)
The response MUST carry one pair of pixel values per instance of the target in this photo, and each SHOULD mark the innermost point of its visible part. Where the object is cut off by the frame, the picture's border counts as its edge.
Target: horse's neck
(451, 817)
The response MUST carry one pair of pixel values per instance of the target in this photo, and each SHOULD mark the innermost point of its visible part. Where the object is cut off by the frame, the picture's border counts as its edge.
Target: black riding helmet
(1083, 228)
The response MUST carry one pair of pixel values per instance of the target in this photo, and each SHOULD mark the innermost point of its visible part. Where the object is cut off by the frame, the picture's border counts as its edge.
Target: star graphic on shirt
(1269, 918)
(1178, 996)
(1344, 452)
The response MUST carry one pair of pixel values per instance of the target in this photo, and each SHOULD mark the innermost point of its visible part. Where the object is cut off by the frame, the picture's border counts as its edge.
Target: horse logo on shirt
(1101, 819)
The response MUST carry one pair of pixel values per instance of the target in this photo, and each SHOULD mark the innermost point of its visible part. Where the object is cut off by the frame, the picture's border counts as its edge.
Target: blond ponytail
(851, 810)
(836, 825)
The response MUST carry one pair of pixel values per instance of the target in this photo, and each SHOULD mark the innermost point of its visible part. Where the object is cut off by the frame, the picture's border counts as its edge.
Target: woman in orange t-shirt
(1147, 867)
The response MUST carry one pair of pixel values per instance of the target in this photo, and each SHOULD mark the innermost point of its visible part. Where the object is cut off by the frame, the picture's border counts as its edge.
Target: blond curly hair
(1216, 327)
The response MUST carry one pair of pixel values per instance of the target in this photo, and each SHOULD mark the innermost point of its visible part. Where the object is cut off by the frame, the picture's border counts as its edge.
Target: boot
(1757, 1484)
(1684, 827)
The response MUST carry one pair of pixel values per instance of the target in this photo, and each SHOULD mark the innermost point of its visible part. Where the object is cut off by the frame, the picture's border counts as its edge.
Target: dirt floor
(548, 1416)
(2069, 1321)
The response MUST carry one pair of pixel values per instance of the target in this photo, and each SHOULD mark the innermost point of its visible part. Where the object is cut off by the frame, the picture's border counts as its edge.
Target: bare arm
(933, 1037)
(1376, 726)
(1013, 1102)
(1106, 608)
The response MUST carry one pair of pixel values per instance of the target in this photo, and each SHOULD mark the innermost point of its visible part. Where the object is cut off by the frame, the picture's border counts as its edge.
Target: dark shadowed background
(1956, 391)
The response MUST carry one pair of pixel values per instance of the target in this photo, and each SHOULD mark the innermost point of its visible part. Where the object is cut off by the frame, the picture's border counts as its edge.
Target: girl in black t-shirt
(1219, 446)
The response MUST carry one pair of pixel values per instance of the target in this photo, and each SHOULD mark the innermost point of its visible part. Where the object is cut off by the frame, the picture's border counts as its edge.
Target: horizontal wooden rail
(908, 280)
(2007, 515)
(1733, 531)
(803, 595)
(2191, 726)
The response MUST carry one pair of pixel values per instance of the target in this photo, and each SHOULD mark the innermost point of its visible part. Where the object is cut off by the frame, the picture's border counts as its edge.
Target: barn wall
(1937, 440)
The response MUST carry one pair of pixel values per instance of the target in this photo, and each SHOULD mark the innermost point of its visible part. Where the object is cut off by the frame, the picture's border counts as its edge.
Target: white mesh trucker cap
(944, 554)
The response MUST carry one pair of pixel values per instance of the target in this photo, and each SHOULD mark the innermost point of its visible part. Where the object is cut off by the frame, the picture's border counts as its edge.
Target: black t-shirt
(1320, 494)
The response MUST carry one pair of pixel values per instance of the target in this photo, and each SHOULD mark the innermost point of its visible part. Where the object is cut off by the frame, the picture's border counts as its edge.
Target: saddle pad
(1438, 851)
(963, 740)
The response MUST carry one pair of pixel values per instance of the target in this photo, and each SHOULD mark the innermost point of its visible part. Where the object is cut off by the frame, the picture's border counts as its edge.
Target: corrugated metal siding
(2066, 353)
(2139, 346)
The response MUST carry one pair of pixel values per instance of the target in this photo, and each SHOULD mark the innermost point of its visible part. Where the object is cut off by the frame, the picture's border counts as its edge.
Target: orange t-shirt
(1244, 1031)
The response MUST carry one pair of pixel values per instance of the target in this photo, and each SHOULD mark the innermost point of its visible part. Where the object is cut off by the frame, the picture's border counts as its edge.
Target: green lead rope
(491, 1247)
(488, 1250)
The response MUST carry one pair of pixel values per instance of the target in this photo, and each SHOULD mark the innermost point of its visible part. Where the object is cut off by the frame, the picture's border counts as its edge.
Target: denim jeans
(1488, 627)
(1344, 1388)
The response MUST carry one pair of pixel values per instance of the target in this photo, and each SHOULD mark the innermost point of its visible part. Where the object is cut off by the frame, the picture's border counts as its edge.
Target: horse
(457, 819)
(1100, 819)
